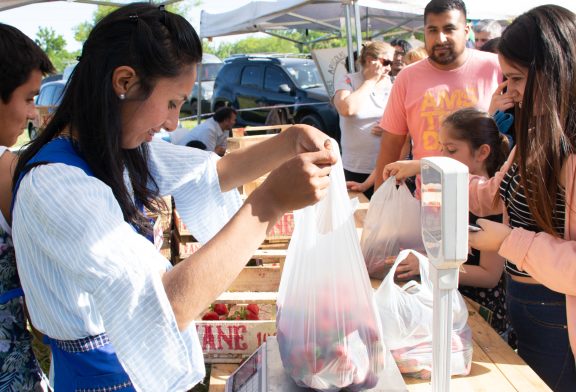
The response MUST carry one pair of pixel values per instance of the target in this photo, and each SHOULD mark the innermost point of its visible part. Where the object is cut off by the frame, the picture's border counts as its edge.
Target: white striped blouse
(85, 271)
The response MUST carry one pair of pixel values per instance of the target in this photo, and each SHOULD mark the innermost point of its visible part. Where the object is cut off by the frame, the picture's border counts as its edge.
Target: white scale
(445, 236)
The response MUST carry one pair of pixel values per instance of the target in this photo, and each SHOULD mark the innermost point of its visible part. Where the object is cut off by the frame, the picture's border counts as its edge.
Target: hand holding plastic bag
(392, 223)
(327, 326)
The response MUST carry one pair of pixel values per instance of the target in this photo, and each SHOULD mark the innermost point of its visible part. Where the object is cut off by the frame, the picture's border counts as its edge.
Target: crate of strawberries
(230, 332)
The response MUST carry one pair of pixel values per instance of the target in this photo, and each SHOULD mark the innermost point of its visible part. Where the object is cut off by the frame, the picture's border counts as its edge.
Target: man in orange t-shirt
(451, 78)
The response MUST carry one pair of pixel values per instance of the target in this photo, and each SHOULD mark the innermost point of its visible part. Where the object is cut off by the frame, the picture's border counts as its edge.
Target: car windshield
(210, 70)
(305, 74)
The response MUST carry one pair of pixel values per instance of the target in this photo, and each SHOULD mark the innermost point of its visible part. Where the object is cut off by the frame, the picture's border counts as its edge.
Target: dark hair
(196, 144)
(224, 113)
(20, 56)
(405, 45)
(491, 45)
(477, 128)
(543, 40)
(156, 44)
(441, 6)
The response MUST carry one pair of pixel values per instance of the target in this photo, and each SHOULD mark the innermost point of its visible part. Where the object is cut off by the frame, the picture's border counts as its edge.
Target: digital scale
(445, 236)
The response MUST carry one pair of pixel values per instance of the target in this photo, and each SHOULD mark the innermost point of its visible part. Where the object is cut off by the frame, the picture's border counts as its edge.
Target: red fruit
(210, 316)
(251, 316)
(221, 309)
(253, 308)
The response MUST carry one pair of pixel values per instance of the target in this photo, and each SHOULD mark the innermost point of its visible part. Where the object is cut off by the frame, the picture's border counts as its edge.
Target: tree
(82, 30)
(54, 46)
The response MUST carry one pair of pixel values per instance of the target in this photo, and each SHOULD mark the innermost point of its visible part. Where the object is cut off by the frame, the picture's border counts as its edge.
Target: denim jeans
(538, 316)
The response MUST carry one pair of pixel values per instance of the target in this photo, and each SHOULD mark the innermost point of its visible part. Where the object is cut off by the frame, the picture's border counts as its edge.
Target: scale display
(444, 210)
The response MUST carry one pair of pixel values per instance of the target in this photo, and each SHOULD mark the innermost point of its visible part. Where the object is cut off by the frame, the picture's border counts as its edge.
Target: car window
(274, 78)
(209, 71)
(305, 74)
(58, 94)
(251, 77)
(229, 74)
(45, 96)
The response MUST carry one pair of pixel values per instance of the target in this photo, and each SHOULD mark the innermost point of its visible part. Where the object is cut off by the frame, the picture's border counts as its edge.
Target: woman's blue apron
(89, 364)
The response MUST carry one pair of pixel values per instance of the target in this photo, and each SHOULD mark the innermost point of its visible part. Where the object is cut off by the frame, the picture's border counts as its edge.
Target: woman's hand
(373, 70)
(490, 238)
(376, 130)
(407, 269)
(309, 139)
(501, 100)
(301, 181)
(357, 186)
(401, 170)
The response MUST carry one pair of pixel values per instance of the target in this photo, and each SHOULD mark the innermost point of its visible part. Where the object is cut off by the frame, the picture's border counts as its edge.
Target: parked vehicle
(257, 83)
(211, 65)
(47, 100)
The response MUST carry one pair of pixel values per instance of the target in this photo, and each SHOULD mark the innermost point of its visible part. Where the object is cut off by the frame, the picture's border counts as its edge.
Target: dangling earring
(122, 97)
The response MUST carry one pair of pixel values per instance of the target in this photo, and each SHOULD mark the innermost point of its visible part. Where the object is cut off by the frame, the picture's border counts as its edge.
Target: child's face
(15, 113)
(459, 150)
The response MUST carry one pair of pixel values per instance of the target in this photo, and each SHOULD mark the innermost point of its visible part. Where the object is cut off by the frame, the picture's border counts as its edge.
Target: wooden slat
(218, 376)
(243, 297)
(264, 278)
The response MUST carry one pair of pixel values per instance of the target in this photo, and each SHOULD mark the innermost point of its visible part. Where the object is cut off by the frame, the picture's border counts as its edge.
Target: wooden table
(495, 366)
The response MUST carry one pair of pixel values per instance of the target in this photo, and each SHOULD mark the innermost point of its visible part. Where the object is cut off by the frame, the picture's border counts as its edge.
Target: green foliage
(54, 46)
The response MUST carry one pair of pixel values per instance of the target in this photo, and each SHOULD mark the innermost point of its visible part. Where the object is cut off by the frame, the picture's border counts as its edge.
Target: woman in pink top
(535, 188)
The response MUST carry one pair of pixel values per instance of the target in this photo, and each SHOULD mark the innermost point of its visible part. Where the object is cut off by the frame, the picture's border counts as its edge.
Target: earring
(122, 97)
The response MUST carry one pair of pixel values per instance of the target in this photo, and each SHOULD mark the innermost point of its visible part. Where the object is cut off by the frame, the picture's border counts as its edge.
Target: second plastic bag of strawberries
(328, 329)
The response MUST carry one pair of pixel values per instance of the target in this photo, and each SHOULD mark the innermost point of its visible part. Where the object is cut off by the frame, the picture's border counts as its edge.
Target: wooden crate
(231, 341)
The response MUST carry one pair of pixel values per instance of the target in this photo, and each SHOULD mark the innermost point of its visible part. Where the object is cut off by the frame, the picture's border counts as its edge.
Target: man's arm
(390, 150)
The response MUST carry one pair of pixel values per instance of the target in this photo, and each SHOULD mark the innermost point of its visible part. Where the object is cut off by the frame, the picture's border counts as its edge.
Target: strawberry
(253, 308)
(221, 309)
(211, 315)
(251, 316)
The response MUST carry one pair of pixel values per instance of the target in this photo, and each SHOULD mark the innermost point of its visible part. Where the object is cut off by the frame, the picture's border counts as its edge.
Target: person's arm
(7, 164)
(246, 164)
(487, 274)
(390, 149)
(298, 179)
(401, 169)
(349, 102)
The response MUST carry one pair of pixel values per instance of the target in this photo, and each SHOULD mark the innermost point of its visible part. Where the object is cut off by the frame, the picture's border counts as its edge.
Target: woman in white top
(360, 99)
(116, 315)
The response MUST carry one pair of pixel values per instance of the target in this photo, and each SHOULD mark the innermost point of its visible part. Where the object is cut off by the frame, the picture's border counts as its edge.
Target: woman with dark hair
(116, 315)
(20, 78)
(536, 190)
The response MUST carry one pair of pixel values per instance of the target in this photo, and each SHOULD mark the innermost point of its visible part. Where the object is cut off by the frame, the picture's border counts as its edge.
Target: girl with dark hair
(471, 137)
(20, 79)
(116, 315)
(535, 188)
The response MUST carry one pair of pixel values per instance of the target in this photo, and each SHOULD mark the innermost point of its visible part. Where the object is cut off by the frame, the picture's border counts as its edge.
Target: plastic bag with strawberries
(328, 329)
(407, 313)
(392, 223)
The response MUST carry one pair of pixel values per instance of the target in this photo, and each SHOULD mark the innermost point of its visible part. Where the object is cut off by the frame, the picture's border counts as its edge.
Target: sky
(63, 16)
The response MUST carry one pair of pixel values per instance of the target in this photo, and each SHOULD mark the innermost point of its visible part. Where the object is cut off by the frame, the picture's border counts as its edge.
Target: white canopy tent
(331, 15)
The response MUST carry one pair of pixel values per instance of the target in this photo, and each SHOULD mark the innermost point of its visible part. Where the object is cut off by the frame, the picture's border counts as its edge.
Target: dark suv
(253, 82)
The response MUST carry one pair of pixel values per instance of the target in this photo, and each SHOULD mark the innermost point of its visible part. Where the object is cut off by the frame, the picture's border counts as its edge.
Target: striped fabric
(517, 207)
(85, 271)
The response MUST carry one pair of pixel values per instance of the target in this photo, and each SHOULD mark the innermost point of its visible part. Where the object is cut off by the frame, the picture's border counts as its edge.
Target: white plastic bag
(328, 328)
(406, 314)
(392, 223)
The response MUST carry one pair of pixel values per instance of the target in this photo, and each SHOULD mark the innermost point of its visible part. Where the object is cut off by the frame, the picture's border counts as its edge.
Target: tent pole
(349, 40)
(358, 27)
